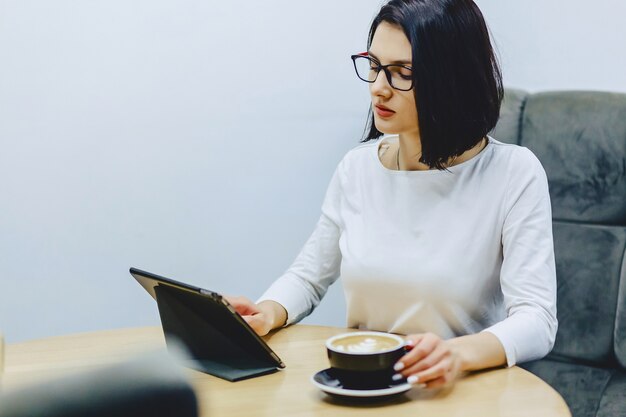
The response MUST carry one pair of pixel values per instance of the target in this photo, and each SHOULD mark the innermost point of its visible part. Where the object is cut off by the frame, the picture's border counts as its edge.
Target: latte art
(364, 344)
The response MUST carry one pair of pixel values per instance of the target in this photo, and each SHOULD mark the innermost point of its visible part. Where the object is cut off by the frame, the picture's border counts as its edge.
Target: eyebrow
(399, 61)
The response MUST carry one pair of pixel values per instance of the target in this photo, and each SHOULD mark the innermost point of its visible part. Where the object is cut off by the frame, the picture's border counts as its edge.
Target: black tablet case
(219, 346)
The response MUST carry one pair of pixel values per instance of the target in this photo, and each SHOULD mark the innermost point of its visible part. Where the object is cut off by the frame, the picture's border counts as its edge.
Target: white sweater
(453, 253)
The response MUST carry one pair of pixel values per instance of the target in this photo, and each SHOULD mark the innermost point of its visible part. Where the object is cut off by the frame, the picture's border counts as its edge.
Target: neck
(410, 152)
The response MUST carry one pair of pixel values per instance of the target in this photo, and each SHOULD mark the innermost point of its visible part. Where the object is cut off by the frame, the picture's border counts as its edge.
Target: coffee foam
(364, 344)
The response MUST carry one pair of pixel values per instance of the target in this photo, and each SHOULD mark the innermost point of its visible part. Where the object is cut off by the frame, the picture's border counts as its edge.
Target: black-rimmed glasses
(367, 68)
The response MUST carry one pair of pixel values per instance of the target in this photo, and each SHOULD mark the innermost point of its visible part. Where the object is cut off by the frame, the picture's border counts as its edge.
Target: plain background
(195, 139)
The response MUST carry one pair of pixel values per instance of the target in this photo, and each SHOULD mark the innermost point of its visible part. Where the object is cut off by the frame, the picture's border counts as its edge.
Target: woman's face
(390, 45)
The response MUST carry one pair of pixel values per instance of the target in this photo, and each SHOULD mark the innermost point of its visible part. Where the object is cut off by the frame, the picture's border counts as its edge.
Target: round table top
(289, 392)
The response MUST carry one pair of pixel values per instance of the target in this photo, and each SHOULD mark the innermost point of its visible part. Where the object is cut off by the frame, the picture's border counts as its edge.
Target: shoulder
(523, 172)
(516, 159)
(363, 150)
(359, 156)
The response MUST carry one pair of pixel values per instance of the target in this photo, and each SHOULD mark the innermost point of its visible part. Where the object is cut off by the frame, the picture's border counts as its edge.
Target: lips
(383, 111)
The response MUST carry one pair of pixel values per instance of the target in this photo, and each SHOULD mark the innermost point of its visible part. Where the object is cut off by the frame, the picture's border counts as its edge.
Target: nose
(381, 86)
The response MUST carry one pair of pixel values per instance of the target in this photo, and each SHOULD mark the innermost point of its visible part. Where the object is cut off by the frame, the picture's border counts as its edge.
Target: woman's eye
(401, 72)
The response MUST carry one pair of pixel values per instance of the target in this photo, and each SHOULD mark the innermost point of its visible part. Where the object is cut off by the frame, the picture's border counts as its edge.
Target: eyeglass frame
(380, 67)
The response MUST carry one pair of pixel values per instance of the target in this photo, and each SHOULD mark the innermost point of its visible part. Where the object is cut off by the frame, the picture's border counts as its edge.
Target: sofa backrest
(620, 322)
(580, 138)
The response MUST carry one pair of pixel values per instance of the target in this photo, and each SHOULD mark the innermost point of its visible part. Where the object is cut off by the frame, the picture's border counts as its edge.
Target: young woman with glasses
(438, 231)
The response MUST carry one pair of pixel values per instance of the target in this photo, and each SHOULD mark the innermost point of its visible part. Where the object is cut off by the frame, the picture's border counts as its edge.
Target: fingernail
(398, 366)
(412, 379)
(397, 377)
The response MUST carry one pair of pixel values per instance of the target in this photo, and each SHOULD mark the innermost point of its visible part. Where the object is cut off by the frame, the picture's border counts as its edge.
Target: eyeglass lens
(398, 76)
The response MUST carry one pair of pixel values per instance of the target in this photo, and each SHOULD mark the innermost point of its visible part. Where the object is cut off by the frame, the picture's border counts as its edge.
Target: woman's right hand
(262, 317)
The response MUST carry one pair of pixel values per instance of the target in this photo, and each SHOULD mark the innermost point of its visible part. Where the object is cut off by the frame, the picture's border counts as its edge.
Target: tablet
(219, 340)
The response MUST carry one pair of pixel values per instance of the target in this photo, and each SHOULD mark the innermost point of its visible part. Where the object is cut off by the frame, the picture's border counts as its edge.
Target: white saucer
(328, 382)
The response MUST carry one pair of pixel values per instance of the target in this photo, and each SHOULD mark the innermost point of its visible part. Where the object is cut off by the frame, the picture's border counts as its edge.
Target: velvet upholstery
(508, 128)
(580, 139)
(588, 263)
(613, 402)
(620, 321)
(580, 386)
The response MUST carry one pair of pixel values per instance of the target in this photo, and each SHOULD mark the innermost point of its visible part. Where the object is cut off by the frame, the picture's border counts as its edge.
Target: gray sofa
(580, 138)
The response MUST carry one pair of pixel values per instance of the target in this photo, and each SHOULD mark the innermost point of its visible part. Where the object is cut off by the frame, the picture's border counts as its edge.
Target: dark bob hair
(458, 82)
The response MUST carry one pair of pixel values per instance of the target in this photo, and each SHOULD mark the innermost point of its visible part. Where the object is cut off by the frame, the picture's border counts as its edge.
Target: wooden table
(501, 392)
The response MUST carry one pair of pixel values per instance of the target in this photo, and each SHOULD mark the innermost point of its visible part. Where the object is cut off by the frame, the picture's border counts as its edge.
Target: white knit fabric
(453, 253)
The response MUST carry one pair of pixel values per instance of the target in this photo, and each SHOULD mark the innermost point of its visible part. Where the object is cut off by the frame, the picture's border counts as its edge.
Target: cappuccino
(374, 353)
(365, 344)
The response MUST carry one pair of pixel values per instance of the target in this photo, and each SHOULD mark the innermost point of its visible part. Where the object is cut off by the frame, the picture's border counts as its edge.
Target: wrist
(478, 351)
(461, 355)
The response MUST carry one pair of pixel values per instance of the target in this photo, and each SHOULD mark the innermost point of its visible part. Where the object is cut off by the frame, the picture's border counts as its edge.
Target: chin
(387, 130)
(390, 128)
(380, 124)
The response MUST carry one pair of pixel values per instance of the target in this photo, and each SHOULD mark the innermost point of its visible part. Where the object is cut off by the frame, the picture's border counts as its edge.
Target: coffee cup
(365, 357)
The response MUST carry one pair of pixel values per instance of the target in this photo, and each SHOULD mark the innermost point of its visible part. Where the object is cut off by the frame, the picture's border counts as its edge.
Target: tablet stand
(216, 344)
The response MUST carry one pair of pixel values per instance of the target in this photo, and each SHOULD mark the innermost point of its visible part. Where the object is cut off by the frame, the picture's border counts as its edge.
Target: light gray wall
(196, 138)
(560, 45)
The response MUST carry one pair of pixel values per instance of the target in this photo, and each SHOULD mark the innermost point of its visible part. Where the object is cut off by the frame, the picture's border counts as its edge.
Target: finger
(238, 301)
(441, 369)
(413, 339)
(422, 349)
(432, 359)
(257, 323)
(436, 383)
(447, 379)
(243, 305)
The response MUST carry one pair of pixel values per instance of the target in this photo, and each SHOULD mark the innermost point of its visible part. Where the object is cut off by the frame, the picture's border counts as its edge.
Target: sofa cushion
(613, 402)
(582, 387)
(508, 127)
(580, 138)
(588, 263)
(620, 321)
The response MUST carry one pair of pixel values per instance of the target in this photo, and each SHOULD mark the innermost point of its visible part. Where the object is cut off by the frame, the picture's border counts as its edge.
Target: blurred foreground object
(151, 385)
(1, 354)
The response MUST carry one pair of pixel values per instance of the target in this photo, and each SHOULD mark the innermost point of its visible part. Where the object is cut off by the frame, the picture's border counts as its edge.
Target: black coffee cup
(365, 358)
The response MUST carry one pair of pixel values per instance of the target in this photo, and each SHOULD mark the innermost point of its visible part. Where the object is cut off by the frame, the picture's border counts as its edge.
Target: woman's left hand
(431, 361)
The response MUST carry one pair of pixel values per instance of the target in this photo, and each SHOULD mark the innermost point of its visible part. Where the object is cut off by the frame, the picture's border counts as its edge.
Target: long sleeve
(301, 288)
(528, 273)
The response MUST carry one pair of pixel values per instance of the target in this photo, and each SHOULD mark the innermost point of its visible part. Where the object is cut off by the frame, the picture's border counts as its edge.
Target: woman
(440, 232)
